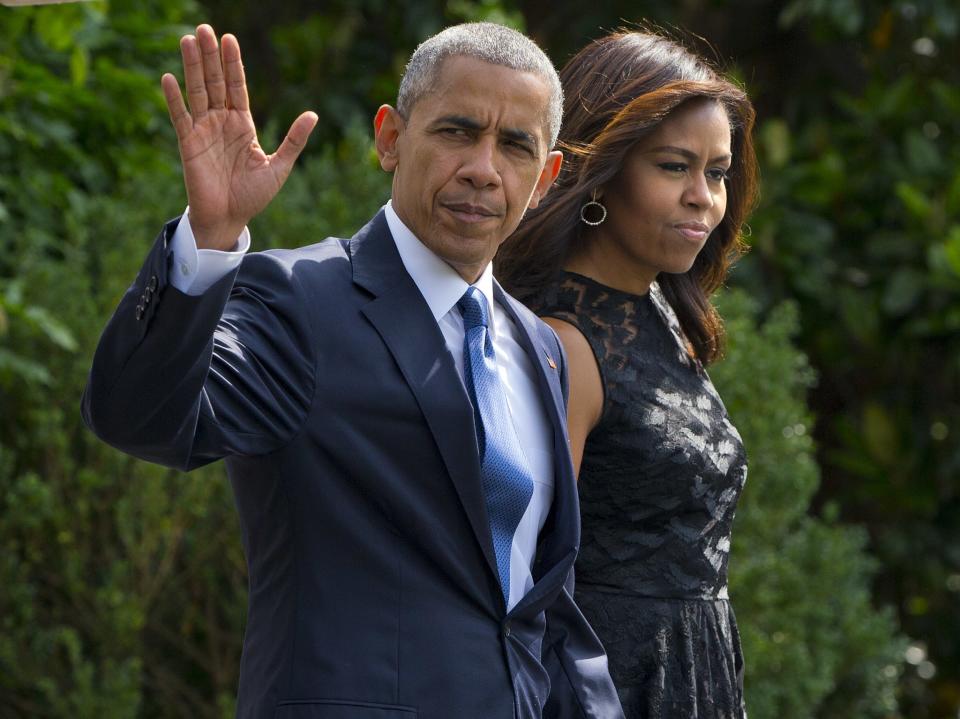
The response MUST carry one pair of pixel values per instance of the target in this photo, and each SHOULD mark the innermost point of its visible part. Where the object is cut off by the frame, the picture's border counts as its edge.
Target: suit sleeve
(184, 380)
(580, 683)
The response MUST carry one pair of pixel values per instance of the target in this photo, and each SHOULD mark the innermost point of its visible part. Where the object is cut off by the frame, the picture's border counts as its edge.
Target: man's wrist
(223, 238)
(194, 269)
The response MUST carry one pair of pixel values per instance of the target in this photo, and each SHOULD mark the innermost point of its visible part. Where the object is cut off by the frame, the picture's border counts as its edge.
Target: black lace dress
(659, 482)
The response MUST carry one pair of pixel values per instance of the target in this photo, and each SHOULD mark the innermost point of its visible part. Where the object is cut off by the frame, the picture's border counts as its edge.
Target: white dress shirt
(194, 271)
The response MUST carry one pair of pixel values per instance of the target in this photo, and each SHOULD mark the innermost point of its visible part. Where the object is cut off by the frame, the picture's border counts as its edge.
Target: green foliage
(333, 193)
(77, 112)
(123, 583)
(813, 644)
(860, 224)
(92, 559)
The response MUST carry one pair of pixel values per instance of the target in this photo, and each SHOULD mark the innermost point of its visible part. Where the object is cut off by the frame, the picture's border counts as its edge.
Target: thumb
(294, 142)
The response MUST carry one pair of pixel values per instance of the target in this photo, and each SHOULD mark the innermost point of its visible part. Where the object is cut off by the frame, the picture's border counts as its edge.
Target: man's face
(470, 159)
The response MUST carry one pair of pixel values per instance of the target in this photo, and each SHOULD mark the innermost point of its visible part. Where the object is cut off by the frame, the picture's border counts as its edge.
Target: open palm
(229, 178)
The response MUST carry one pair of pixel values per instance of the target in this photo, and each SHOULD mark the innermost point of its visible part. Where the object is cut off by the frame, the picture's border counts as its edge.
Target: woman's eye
(673, 166)
(717, 174)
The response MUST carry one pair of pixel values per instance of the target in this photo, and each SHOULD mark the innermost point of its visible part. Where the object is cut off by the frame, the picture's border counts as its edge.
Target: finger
(212, 70)
(193, 76)
(233, 70)
(182, 122)
(294, 142)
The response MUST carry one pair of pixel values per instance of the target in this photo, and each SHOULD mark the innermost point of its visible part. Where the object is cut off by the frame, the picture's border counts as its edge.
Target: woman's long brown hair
(617, 90)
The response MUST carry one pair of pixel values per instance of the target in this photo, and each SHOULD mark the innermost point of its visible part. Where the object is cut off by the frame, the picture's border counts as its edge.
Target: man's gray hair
(485, 41)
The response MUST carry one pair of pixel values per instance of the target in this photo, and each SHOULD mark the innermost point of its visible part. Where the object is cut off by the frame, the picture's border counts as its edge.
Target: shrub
(814, 645)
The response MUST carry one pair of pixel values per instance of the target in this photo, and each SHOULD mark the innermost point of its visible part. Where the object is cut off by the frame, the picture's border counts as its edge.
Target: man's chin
(473, 239)
(479, 233)
(467, 255)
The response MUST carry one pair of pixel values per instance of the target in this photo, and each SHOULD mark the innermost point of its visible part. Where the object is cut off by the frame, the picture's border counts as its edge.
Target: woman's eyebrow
(689, 154)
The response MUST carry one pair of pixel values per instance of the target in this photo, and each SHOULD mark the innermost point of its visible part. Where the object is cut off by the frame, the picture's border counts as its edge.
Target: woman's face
(669, 196)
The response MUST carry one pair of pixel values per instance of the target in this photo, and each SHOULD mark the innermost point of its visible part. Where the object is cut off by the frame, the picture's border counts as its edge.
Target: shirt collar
(437, 281)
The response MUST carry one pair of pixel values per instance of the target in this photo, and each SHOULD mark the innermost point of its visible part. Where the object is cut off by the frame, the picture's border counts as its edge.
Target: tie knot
(473, 307)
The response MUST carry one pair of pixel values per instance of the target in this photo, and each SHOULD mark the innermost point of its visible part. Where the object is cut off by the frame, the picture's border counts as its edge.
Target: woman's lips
(693, 230)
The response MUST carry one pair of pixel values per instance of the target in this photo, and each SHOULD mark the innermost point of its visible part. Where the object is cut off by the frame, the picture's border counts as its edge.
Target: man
(392, 422)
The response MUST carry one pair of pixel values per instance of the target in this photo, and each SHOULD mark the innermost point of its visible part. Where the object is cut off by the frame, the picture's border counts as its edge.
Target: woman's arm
(586, 388)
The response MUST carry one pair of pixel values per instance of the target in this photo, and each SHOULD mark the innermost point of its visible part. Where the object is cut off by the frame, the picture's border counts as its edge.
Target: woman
(621, 259)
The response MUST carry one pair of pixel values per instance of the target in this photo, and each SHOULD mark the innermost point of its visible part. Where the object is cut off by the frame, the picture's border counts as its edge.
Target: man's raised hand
(229, 177)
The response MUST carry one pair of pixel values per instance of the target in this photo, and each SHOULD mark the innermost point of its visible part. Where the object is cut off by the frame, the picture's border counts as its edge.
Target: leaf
(776, 142)
(858, 308)
(947, 95)
(57, 26)
(79, 65)
(953, 196)
(880, 433)
(903, 291)
(894, 98)
(24, 369)
(55, 330)
(952, 249)
(921, 153)
(915, 201)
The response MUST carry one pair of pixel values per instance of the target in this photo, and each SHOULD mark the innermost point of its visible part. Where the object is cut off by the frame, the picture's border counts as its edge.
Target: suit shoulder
(547, 333)
(298, 258)
(297, 265)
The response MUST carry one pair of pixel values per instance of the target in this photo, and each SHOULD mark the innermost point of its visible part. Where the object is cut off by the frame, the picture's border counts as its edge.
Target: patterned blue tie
(507, 480)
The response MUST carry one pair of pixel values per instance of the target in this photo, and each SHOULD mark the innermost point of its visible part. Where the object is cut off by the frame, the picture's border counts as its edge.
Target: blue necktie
(507, 481)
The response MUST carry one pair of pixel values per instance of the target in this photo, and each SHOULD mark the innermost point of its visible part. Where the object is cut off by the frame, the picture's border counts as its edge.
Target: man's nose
(479, 164)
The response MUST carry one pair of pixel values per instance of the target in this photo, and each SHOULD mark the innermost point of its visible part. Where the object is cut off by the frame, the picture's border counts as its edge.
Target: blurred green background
(122, 584)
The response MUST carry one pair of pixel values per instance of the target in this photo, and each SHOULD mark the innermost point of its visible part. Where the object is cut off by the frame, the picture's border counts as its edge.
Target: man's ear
(547, 175)
(387, 128)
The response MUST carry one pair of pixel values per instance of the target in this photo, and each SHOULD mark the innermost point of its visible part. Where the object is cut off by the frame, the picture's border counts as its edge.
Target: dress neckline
(631, 296)
(608, 288)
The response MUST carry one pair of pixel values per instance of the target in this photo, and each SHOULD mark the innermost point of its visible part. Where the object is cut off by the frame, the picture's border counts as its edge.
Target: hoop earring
(588, 206)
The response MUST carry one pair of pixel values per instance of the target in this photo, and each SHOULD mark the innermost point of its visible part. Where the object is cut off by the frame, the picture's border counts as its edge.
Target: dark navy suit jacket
(323, 379)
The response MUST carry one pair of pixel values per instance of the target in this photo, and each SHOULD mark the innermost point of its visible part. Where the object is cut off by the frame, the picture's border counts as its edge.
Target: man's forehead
(488, 96)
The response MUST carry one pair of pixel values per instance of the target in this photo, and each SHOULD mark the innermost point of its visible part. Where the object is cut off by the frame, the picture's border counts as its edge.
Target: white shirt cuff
(194, 271)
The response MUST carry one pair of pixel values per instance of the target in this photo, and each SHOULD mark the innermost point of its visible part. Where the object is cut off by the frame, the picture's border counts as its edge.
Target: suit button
(145, 298)
(506, 629)
(139, 312)
(152, 284)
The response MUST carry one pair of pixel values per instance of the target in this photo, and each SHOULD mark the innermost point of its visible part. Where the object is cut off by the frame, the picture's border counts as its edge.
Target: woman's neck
(611, 269)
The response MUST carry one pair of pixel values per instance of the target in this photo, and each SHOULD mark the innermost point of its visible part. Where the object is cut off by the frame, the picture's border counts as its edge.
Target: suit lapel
(560, 536)
(544, 357)
(404, 321)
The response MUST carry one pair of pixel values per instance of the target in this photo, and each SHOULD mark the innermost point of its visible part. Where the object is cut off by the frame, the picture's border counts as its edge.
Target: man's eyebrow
(690, 155)
(468, 123)
(518, 135)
